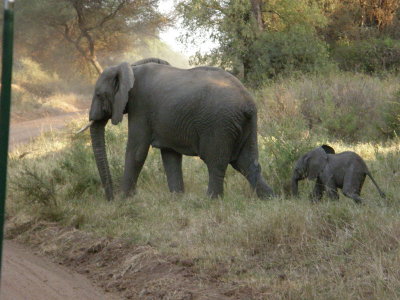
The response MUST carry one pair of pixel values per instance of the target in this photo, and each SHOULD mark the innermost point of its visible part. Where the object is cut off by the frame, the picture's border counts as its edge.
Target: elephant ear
(124, 82)
(316, 161)
(328, 149)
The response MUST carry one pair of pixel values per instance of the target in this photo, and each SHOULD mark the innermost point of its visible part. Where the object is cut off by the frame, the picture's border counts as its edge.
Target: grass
(283, 247)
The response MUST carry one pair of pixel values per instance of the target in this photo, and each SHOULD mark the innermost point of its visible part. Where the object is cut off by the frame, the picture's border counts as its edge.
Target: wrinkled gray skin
(346, 171)
(203, 112)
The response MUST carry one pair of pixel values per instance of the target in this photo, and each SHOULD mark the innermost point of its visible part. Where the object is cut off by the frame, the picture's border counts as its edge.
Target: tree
(239, 26)
(378, 13)
(359, 19)
(91, 27)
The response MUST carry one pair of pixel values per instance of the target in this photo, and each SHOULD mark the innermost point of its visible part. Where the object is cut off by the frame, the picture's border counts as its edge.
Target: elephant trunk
(295, 185)
(99, 150)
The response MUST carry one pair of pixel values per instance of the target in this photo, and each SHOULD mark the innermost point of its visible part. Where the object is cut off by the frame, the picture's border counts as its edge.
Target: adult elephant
(203, 112)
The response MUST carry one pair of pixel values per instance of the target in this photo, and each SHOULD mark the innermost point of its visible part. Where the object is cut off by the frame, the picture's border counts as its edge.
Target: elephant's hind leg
(331, 189)
(352, 185)
(216, 175)
(247, 164)
(172, 162)
(215, 151)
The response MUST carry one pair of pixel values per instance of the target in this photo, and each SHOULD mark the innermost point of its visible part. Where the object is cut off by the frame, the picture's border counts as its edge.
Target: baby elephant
(346, 170)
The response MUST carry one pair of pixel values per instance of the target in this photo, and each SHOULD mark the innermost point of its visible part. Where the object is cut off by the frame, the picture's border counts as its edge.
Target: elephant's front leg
(136, 153)
(172, 162)
(319, 188)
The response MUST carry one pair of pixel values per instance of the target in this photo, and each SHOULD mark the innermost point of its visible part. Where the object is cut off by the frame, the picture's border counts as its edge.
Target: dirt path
(23, 132)
(28, 276)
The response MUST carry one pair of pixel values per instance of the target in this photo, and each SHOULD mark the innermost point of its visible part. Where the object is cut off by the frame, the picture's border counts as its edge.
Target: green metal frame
(5, 103)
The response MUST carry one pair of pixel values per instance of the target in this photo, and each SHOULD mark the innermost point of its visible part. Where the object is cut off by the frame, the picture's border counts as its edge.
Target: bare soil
(74, 260)
(119, 267)
(28, 276)
(24, 132)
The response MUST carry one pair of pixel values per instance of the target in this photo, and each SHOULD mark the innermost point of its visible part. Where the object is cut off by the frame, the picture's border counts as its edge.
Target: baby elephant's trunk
(295, 185)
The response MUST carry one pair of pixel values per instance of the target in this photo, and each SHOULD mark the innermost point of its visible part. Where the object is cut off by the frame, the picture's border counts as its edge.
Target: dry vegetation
(37, 93)
(281, 248)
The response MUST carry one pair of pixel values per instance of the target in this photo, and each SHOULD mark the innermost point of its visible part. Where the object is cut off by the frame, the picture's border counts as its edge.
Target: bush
(30, 75)
(35, 186)
(283, 136)
(282, 53)
(375, 55)
(349, 107)
(37, 93)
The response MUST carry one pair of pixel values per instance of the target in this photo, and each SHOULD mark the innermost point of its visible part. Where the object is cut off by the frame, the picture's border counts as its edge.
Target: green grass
(283, 247)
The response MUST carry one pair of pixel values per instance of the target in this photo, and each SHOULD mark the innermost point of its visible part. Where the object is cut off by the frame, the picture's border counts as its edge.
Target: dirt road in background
(23, 132)
(28, 276)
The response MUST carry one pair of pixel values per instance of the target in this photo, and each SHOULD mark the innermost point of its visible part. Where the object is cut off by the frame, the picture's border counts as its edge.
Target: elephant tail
(381, 193)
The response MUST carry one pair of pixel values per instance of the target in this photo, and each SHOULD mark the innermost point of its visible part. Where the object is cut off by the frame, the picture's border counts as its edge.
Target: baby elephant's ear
(328, 149)
(316, 161)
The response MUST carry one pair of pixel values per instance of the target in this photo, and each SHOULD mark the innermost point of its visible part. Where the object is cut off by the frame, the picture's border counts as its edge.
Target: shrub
(350, 107)
(37, 93)
(35, 186)
(283, 136)
(30, 75)
(277, 54)
(375, 55)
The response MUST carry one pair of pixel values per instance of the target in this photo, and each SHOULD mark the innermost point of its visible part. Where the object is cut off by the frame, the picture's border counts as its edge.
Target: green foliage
(277, 54)
(35, 186)
(283, 136)
(343, 106)
(77, 168)
(376, 55)
(250, 52)
(280, 154)
(285, 37)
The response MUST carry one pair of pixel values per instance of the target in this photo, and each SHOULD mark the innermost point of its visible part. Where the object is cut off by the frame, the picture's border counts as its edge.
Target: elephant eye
(106, 105)
(99, 95)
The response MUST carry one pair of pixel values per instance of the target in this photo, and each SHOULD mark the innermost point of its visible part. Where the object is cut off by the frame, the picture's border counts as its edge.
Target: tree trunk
(95, 63)
(256, 6)
(246, 67)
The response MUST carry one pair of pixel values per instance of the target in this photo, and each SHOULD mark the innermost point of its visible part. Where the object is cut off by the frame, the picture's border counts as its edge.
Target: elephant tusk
(85, 127)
